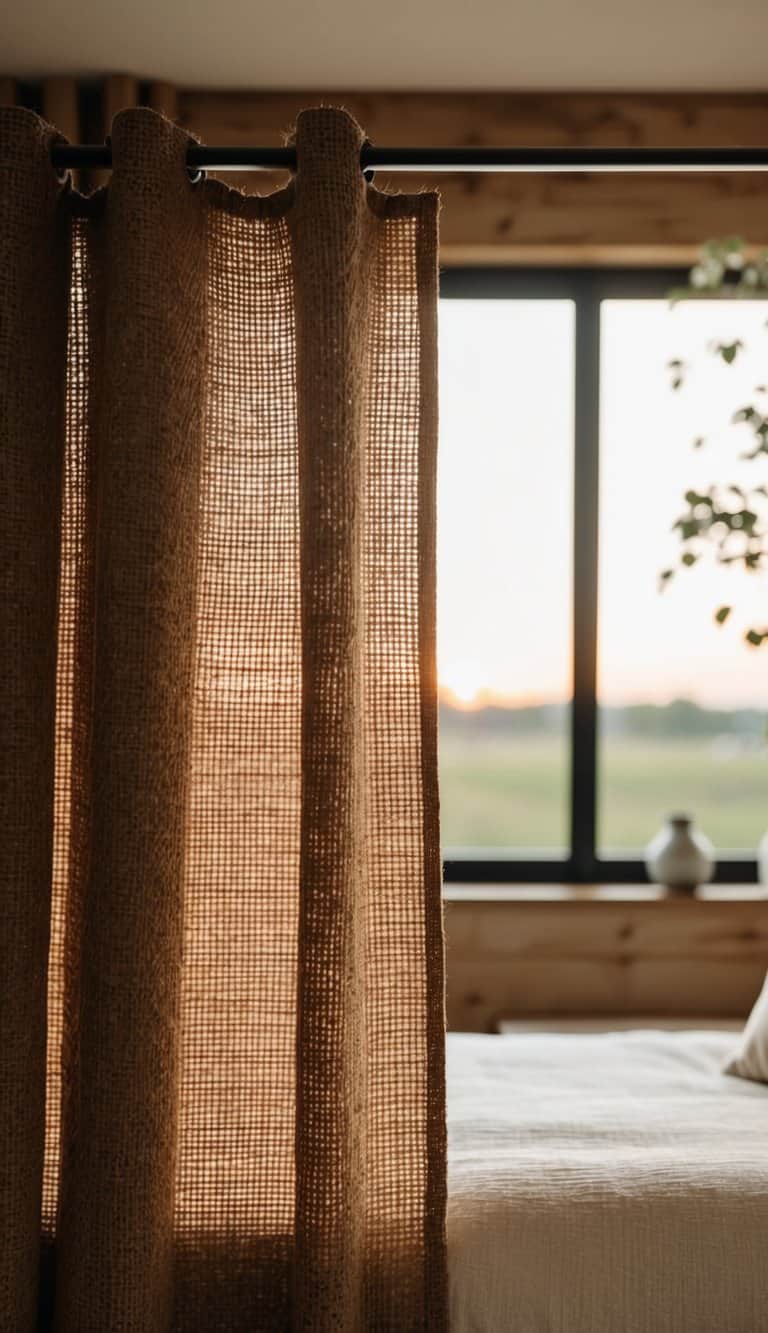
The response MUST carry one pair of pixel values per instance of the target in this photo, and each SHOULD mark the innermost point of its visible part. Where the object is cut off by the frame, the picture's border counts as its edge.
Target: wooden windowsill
(596, 893)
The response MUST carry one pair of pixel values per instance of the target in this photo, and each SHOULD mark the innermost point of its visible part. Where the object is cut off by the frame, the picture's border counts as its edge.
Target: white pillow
(751, 1059)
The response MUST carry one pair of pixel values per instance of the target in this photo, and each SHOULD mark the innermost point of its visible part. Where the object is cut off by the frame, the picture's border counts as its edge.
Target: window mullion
(585, 582)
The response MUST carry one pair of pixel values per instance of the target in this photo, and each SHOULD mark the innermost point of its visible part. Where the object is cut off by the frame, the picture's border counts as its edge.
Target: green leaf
(689, 527)
(728, 351)
(755, 638)
(722, 614)
(678, 371)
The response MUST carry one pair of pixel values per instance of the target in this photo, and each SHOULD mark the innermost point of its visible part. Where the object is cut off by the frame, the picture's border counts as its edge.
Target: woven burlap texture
(219, 784)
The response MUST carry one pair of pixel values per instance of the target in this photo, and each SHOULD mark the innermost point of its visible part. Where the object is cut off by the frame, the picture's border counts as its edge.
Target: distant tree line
(678, 719)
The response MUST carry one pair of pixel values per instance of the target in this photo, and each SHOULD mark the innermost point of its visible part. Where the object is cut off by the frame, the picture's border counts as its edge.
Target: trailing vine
(727, 521)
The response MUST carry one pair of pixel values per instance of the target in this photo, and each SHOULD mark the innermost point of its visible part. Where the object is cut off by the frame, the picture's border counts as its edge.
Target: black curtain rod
(427, 160)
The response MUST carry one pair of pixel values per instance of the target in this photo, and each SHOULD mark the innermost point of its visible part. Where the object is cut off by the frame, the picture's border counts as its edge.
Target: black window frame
(587, 288)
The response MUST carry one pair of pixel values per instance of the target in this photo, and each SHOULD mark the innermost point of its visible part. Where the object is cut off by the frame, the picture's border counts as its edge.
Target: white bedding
(615, 1183)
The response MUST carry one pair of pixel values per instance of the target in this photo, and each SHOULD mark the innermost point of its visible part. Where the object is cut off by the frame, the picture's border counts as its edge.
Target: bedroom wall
(535, 218)
(574, 951)
(611, 219)
(560, 950)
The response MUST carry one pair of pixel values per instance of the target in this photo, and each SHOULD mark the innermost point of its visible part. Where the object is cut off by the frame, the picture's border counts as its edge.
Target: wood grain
(164, 97)
(118, 91)
(535, 218)
(60, 106)
(508, 958)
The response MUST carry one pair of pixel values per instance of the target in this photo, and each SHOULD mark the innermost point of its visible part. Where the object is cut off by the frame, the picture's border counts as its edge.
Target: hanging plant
(727, 521)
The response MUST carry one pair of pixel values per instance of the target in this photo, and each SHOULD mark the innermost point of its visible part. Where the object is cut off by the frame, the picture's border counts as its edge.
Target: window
(578, 706)
(506, 398)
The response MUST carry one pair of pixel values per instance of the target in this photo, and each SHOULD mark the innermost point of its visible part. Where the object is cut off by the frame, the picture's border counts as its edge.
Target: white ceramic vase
(679, 857)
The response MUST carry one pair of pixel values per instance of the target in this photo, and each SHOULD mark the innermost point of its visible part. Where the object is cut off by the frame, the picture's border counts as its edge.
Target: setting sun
(463, 682)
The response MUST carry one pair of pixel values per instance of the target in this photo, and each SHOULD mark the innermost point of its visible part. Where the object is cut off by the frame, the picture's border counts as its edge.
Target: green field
(513, 791)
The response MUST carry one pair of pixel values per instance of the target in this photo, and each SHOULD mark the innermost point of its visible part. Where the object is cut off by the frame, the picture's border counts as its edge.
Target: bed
(605, 1183)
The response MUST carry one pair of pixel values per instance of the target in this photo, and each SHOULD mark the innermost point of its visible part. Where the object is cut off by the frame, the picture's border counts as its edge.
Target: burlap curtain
(219, 850)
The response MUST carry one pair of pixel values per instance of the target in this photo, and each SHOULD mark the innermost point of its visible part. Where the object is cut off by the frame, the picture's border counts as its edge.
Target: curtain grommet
(368, 172)
(63, 175)
(196, 175)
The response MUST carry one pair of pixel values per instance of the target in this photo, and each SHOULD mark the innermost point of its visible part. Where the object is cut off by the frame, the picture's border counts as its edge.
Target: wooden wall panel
(535, 218)
(118, 92)
(60, 106)
(164, 97)
(515, 957)
(521, 219)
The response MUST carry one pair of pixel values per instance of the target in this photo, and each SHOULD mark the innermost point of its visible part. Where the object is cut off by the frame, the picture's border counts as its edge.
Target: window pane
(504, 572)
(682, 700)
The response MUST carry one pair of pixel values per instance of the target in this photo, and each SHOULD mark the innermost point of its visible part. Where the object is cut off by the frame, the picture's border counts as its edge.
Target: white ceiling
(405, 44)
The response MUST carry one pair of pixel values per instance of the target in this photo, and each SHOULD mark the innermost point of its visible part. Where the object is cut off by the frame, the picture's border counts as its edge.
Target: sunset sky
(505, 479)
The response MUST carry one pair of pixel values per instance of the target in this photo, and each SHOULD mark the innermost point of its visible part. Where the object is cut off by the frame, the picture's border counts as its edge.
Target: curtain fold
(245, 1086)
(147, 368)
(332, 249)
(33, 331)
